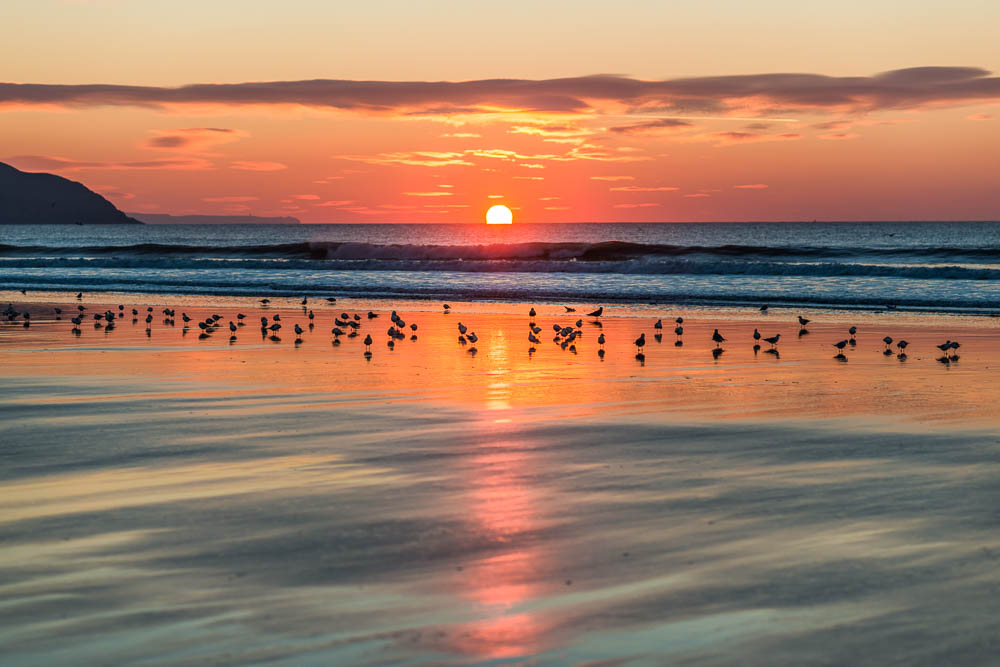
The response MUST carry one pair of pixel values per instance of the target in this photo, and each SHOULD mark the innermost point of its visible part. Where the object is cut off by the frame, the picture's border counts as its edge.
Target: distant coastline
(167, 219)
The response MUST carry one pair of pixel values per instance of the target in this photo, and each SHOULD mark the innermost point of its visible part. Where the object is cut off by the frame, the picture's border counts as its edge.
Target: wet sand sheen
(181, 501)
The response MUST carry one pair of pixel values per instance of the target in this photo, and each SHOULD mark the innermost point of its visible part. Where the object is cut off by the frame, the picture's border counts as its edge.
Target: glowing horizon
(409, 135)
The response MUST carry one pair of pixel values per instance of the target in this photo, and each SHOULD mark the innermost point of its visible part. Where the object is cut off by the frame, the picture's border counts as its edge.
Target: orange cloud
(640, 205)
(640, 188)
(191, 138)
(612, 178)
(54, 163)
(432, 193)
(249, 165)
(226, 200)
(751, 186)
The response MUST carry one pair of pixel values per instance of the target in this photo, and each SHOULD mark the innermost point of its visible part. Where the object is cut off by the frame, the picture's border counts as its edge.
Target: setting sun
(499, 215)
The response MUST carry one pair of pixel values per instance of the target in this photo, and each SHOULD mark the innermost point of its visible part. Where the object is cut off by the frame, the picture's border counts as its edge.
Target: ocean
(921, 266)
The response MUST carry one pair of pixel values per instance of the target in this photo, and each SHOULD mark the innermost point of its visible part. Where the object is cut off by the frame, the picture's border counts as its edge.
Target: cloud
(647, 204)
(462, 135)
(910, 88)
(432, 193)
(652, 126)
(838, 136)
(531, 165)
(191, 138)
(413, 159)
(751, 186)
(557, 208)
(697, 195)
(612, 178)
(54, 163)
(494, 196)
(640, 188)
(336, 203)
(733, 138)
(307, 197)
(547, 198)
(247, 165)
(228, 200)
(529, 178)
(980, 116)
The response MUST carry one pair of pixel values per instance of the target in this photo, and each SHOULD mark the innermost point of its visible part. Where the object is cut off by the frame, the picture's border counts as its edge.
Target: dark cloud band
(898, 89)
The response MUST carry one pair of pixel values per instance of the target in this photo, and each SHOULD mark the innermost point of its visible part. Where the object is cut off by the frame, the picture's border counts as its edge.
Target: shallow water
(171, 500)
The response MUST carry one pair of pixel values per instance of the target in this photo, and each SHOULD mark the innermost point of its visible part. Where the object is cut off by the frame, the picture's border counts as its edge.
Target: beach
(171, 500)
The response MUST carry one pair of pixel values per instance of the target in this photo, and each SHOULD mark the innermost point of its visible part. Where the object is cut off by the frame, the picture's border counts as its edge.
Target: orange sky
(386, 113)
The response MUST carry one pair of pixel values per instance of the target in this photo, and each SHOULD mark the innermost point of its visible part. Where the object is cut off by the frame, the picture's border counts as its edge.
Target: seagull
(596, 313)
(803, 321)
(640, 342)
(773, 340)
(717, 337)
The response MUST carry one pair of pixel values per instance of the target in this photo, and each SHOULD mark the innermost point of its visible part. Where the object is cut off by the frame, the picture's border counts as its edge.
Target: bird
(887, 340)
(717, 337)
(232, 327)
(679, 331)
(472, 337)
(240, 317)
(763, 309)
(265, 301)
(184, 316)
(902, 345)
(312, 315)
(462, 328)
(596, 313)
(569, 310)
(679, 320)
(756, 335)
(840, 345)
(640, 342)
(945, 346)
(79, 295)
(298, 330)
(533, 339)
(413, 327)
(446, 307)
(601, 340)
(852, 331)
(773, 340)
(955, 345)
(803, 321)
(304, 301)
(531, 313)
(658, 324)
(368, 342)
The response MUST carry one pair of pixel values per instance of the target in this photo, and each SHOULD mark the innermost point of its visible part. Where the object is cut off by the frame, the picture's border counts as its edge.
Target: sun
(499, 215)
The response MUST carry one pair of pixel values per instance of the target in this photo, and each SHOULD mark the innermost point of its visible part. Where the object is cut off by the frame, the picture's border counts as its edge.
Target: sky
(389, 111)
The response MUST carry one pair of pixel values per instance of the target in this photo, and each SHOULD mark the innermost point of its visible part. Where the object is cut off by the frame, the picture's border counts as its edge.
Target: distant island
(167, 219)
(28, 198)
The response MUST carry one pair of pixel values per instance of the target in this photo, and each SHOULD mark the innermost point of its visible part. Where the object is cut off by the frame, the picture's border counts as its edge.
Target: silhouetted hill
(47, 199)
(166, 219)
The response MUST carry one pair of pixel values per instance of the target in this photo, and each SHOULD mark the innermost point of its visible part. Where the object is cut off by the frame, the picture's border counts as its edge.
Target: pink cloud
(612, 178)
(307, 197)
(432, 193)
(640, 205)
(191, 138)
(697, 195)
(751, 186)
(337, 203)
(226, 200)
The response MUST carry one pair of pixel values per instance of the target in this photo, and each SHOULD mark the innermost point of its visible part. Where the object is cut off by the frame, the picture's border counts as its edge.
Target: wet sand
(173, 500)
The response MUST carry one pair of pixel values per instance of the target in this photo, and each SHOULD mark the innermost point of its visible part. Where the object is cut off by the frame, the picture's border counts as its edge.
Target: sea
(919, 266)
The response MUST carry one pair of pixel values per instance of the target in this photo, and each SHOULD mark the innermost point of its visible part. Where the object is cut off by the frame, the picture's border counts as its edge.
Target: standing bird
(462, 328)
(658, 325)
(600, 340)
(773, 340)
(803, 321)
(304, 301)
(888, 341)
(232, 327)
(368, 342)
(852, 331)
(596, 313)
(902, 345)
(531, 313)
(840, 345)
(955, 345)
(679, 331)
(756, 336)
(640, 342)
(717, 337)
(763, 309)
